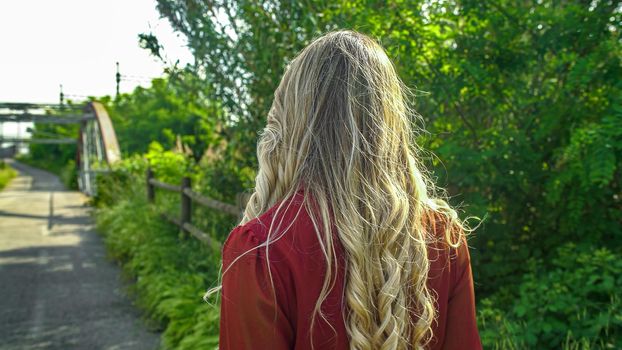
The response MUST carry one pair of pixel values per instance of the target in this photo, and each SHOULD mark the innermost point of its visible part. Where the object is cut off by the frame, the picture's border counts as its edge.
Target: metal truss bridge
(97, 146)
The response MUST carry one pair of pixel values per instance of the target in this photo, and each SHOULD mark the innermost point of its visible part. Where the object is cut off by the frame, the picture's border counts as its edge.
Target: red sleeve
(249, 316)
(461, 331)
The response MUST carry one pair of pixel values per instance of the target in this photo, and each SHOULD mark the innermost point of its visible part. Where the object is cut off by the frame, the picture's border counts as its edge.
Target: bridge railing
(87, 180)
(187, 198)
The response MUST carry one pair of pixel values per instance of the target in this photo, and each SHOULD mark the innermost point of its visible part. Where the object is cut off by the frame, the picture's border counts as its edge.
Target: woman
(345, 243)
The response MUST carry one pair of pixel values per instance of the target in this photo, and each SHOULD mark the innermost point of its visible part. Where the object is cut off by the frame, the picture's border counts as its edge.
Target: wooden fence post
(150, 189)
(186, 202)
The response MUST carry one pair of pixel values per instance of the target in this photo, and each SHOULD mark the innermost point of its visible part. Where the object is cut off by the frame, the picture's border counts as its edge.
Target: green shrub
(171, 270)
(574, 305)
(6, 174)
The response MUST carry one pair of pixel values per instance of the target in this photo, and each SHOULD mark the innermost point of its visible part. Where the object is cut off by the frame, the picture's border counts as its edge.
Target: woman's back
(254, 317)
(364, 268)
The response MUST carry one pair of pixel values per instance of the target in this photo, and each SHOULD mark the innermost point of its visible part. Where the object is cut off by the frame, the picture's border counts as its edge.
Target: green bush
(6, 174)
(171, 270)
(576, 303)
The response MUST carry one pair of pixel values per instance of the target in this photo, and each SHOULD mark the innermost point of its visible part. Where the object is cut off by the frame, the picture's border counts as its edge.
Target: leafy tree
(522, 101)
(170, 107)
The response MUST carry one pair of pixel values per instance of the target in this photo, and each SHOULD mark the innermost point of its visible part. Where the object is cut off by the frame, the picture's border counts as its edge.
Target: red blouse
(250, 319)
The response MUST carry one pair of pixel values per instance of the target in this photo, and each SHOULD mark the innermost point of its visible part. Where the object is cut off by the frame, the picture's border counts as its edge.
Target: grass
(6, 174)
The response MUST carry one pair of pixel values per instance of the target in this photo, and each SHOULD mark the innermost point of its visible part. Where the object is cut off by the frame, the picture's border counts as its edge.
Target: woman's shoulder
(448, 245)
(270, 227)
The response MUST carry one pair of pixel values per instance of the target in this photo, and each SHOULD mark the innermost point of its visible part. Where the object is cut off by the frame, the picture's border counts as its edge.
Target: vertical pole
(62, 97)
(150, 189)
(186, 202)
(118, 78)
(19, 136)
(86, 166)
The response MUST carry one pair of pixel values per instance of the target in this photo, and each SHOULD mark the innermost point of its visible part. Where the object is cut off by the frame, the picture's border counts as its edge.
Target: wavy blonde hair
(340, 127)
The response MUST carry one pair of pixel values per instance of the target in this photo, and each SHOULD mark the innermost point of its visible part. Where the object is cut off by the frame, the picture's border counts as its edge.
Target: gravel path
(57, 290)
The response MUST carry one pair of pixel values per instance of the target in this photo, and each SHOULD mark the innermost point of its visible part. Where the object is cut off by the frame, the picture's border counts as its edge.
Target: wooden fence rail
(188, 196)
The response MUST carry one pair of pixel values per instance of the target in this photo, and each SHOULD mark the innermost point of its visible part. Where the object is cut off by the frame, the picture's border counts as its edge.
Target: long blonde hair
(341, 127)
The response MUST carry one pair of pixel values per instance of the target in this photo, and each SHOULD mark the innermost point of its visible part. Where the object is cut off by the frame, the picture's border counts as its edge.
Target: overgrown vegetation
(6, 174)
(171, 270)
(523, 104)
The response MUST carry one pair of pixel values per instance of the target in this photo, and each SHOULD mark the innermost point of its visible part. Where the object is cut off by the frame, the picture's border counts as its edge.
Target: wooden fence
(188, 197)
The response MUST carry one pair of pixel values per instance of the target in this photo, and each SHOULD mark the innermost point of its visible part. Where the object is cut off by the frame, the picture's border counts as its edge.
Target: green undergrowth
(574, 305)
(170, 271)
(6, 174)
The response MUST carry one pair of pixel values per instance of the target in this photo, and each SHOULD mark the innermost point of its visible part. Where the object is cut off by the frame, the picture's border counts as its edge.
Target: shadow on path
(58, 290)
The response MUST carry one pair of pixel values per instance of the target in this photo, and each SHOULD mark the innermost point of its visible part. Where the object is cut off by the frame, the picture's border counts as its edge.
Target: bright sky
(76, 43)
